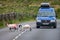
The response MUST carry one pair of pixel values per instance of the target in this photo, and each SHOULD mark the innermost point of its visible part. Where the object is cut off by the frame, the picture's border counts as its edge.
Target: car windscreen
(46, 13)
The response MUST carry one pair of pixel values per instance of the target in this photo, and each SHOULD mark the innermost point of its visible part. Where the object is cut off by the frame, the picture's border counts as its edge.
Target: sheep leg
(9, 28)
(30, 29)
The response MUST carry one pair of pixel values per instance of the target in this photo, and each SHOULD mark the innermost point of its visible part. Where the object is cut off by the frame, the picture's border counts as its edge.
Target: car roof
(45, 3)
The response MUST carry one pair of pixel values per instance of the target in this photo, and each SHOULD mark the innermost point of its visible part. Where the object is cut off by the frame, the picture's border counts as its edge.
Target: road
(36, 34)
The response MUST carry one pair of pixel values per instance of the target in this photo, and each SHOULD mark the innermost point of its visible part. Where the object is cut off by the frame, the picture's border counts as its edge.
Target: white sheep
(27, 26)
(12, 26)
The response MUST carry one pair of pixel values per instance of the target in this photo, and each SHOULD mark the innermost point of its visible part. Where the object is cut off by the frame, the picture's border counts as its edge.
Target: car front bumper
(46, 24)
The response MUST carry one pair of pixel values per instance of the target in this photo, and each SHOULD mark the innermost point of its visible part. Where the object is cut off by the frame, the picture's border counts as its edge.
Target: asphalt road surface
(44, 33)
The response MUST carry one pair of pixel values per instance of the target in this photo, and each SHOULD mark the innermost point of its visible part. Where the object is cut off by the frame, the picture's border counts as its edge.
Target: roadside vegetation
(28, 9)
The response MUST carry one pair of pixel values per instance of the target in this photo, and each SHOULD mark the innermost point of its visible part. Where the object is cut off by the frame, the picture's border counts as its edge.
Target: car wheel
(37, 26)
(54, 26)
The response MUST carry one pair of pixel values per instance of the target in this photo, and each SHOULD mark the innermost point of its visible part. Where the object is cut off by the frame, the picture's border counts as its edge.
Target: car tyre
(37, 26)
(54, 26)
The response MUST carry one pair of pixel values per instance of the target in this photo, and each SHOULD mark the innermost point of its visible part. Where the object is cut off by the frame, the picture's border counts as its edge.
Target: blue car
(46, 16)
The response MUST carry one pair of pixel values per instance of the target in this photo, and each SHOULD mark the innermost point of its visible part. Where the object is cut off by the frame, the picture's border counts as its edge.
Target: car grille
(45, 21)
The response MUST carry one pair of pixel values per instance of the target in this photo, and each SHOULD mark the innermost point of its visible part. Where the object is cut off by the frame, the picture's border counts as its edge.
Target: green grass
(22, 6)
(58, 13)
(3, 23)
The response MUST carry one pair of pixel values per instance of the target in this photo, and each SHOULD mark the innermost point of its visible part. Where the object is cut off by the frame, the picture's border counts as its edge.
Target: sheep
(12, 26)
(27, 26)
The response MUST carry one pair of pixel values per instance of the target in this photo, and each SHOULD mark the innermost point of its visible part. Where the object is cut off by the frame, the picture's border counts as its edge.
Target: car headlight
(52, 20)
(38, 20)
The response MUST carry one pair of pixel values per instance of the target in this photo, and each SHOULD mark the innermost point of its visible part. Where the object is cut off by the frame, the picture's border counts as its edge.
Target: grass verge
(3, 23)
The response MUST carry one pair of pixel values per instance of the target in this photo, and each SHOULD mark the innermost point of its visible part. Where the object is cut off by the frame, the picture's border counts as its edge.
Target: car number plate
(45, 23)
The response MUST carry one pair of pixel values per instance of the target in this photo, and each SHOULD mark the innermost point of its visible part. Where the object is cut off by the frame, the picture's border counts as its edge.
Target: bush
(55, 2)
(58, 12)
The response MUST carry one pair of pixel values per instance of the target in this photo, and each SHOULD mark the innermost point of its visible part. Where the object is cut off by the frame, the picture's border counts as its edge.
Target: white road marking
(19, 35)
